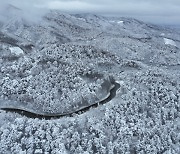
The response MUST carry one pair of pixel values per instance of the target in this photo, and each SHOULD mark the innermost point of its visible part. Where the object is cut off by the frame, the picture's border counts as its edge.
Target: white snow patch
(16, 50)
(169, 42)
(82, 19)
(120, 22)
(38, 151)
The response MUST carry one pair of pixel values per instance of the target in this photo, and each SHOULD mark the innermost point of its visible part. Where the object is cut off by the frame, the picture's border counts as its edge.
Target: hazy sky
(155, 11)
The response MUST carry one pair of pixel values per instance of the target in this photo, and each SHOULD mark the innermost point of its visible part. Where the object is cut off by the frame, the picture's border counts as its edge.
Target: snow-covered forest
(66, 63)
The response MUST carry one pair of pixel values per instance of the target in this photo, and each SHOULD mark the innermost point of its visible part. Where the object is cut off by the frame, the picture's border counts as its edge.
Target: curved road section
(29, 114)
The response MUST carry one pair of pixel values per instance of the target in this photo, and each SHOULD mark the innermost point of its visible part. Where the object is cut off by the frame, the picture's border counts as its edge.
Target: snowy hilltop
(85, 84)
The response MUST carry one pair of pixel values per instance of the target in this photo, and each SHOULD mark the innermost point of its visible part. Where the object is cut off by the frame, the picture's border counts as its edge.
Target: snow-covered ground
(16, 50)
(169, 42)
(120, 22)
(72, 61)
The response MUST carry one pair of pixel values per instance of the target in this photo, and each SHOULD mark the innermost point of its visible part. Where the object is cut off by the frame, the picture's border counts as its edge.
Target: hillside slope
(66, 63)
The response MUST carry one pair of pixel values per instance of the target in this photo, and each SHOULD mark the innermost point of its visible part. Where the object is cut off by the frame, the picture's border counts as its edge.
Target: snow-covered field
(16, 51)
(169, 42)
(67, 63)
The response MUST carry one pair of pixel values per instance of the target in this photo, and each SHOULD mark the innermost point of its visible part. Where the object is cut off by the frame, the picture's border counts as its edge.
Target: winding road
(50, 117)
